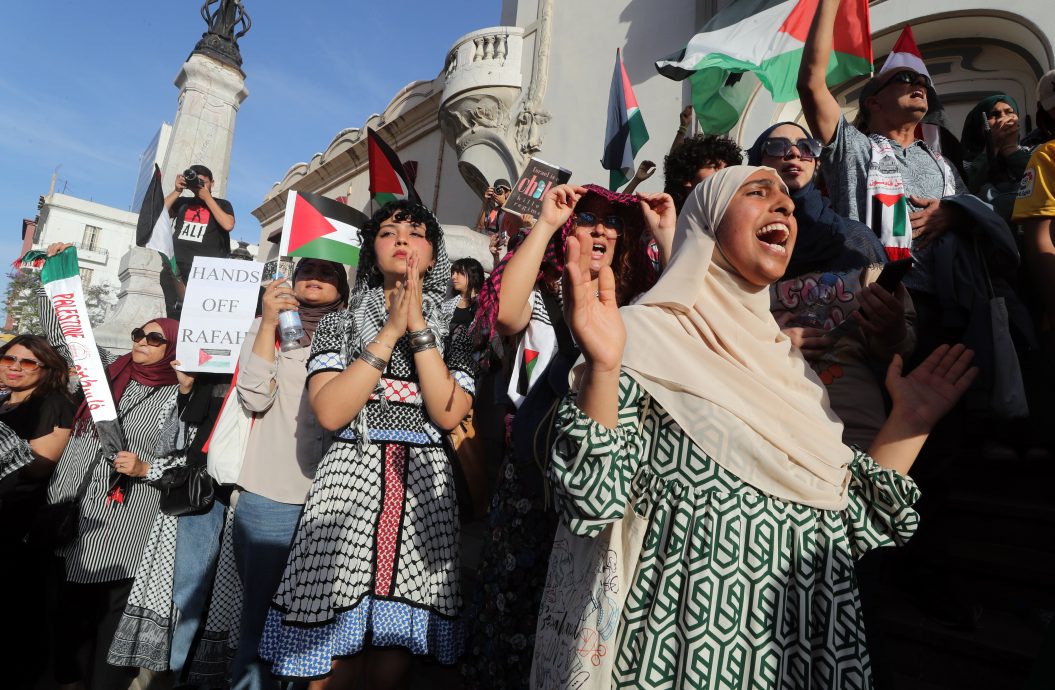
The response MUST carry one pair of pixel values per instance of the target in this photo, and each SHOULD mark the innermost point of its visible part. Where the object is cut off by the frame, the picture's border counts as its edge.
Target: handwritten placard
(218, 310)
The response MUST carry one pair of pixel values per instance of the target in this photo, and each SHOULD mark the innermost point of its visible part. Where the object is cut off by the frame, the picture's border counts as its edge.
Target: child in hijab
(693, 410)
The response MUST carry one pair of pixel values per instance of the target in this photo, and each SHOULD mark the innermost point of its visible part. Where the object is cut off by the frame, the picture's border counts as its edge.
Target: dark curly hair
(55, 372)
(695, 152)
(404, 210)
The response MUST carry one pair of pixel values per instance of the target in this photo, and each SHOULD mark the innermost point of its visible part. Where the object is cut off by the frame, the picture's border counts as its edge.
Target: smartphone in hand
(893, 273)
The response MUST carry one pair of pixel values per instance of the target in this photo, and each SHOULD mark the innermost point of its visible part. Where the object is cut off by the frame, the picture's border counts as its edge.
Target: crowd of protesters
(733, 369)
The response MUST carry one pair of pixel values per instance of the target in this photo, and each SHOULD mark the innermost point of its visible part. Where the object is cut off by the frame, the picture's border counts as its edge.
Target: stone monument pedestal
(203, 132)
(139, 301)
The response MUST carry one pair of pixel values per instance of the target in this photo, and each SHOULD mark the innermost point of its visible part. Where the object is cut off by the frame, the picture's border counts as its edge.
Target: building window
(86, 276)
(91, 238)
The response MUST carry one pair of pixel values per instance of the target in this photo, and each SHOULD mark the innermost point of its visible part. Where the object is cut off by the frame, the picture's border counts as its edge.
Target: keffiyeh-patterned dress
(376, 557)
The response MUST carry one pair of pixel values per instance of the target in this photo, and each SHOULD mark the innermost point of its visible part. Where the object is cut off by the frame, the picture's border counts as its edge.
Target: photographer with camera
(201, 227)
(494, 198)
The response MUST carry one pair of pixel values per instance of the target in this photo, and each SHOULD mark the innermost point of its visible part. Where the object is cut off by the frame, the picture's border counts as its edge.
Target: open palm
(934, 387)
(592, 314)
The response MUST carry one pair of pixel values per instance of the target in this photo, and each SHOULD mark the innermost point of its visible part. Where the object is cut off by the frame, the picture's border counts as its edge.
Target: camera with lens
(191, 179)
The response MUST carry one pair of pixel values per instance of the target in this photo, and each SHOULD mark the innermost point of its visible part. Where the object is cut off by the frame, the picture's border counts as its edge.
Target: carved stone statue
(227, 21)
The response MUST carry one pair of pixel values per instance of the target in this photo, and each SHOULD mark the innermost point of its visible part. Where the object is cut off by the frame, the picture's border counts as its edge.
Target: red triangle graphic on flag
(307, 225)
(889, 199)
(203, 357)
(530, 356)
(383, 176)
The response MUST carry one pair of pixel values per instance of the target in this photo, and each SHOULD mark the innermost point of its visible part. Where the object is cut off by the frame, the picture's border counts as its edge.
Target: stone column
(210, 95)
(139, 300)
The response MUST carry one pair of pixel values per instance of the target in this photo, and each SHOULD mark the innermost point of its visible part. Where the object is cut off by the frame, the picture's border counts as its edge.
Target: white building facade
(102, 235)
(538, 86)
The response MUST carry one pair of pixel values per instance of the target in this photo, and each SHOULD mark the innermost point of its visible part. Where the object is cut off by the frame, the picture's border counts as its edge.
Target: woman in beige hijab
(694, 410)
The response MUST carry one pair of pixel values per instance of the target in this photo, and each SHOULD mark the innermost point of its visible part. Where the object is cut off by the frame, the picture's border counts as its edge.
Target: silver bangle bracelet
(373, 360)
(427, 345)
(421, 340)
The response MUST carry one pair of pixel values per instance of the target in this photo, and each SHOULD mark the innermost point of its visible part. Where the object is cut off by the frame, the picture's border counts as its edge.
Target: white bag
(586, 587)
(225, 448)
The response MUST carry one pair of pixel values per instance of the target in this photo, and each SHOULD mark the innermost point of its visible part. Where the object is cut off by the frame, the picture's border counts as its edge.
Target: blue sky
(85, 86)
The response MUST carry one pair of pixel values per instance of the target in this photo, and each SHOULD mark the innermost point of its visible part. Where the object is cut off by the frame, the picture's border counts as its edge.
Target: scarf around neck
(703, 343)
(124, 370)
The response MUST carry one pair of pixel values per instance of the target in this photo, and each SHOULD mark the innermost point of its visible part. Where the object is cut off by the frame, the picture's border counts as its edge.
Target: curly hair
(403, 210)
(682, 163)
(55, 372)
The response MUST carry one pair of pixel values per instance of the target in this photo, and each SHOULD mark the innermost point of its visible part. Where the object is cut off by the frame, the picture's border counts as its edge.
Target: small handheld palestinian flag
(388, 178)
(60, 275)
(765, 37)
(154, 228)
(316, 227)
(625, 134)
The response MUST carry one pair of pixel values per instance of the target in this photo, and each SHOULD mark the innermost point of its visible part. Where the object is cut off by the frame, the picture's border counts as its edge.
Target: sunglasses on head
(906, 77)
(155, 339)
(585, 219)
(27, 365)
(781, 146)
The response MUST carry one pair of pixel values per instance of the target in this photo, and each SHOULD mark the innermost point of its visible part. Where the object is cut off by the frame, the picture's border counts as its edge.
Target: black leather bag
(185, 490)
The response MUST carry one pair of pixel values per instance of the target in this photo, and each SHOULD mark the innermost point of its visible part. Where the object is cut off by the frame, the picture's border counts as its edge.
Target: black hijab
(826, 241)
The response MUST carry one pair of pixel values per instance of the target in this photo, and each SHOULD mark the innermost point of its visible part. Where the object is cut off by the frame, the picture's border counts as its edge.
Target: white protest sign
(218, 310)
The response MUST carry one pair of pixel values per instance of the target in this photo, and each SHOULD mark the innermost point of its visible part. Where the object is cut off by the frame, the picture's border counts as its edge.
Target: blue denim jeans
(263, 534)
(197, 548)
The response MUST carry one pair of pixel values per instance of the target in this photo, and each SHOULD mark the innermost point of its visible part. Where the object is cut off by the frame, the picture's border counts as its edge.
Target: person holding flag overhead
(117, 506)
(882, 172)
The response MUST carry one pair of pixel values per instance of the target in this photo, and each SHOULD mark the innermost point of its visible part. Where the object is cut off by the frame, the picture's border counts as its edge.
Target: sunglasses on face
(906, 77)
(26, 365)
(613, 224)
(779, 147)
(154, 339)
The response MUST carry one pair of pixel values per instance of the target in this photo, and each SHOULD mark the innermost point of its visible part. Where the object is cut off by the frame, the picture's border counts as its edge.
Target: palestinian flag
(625, 134)
(154, 229)
(765, 37)
(889, 214)
(61, 277)
(388, 178)
(316, 227)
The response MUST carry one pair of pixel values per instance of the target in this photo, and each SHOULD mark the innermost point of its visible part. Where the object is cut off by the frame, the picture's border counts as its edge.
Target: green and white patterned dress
(734, 588)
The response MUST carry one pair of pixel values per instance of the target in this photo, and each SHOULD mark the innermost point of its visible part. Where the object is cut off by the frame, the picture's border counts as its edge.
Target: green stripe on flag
(329, 250)
(385, 198)
(62, 265)
(780, 73)
(717, 106)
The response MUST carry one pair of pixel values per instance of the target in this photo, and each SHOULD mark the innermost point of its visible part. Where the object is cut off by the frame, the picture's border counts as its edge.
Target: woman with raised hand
(522, 301)
(372, 578)
(694, 410)
(114, 521)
